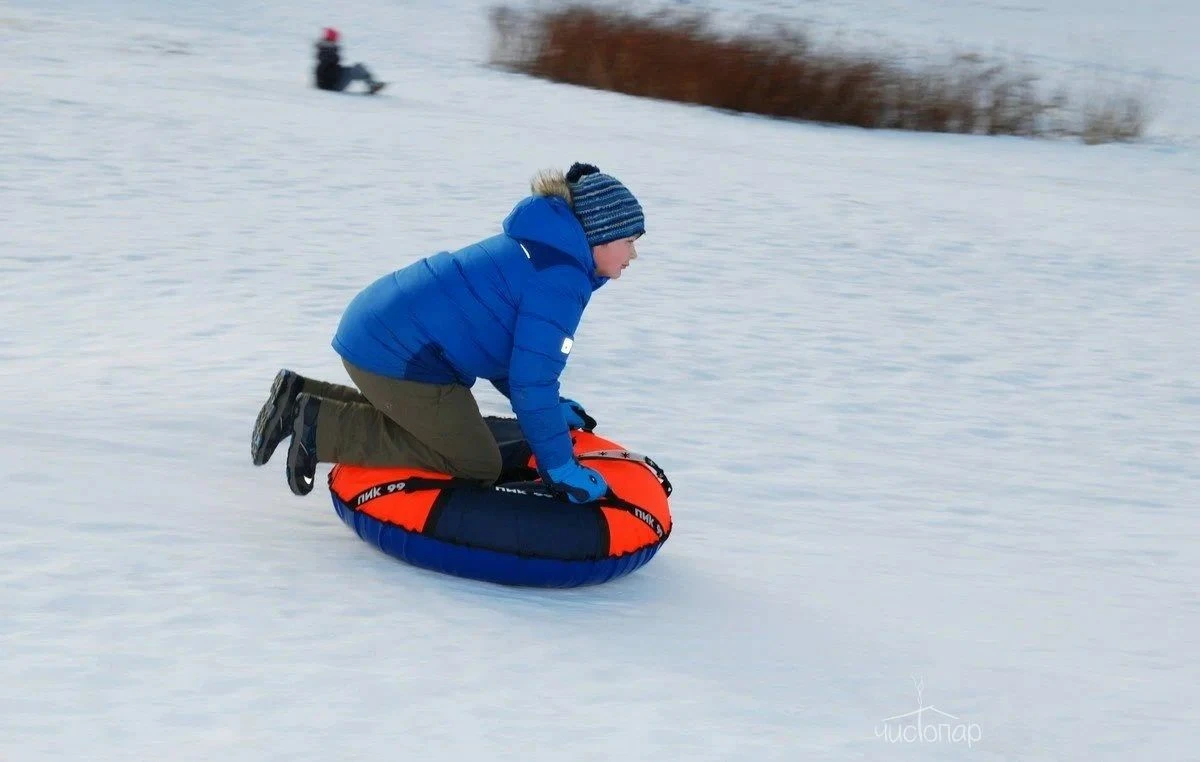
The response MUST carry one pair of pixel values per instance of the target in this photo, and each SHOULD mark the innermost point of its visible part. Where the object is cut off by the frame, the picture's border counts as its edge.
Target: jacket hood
(548, 220)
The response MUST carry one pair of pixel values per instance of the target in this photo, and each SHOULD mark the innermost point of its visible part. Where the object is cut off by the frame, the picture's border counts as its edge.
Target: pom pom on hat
(578, 170)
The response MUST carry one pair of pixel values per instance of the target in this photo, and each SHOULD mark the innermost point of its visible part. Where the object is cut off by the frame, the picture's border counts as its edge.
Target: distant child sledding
(330, 74)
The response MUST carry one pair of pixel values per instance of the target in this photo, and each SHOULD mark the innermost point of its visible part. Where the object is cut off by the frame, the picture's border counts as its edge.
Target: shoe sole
(298, 484)
(268, 427)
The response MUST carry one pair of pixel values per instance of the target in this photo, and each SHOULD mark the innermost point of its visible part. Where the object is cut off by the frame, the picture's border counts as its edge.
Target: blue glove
(580, 483)
(577, 417)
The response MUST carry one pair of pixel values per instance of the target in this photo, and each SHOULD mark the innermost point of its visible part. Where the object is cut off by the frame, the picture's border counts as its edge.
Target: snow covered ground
(931, 405)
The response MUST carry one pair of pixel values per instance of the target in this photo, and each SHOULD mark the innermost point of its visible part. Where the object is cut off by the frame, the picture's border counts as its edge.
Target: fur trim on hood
(551, 182)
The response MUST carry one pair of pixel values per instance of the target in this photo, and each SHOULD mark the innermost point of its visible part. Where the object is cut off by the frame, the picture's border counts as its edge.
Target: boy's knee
(483, 466)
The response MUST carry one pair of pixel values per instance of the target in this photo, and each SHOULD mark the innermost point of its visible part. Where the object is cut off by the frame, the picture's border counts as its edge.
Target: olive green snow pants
(388, 422)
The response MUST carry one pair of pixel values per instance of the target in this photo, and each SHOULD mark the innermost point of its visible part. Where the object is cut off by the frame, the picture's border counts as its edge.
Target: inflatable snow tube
(517, 532)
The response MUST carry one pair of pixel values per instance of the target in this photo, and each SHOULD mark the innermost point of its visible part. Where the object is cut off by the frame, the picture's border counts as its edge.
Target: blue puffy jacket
(504, 308)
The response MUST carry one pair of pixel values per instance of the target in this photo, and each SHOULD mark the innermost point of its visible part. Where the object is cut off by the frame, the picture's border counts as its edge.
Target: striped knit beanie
(605, 207)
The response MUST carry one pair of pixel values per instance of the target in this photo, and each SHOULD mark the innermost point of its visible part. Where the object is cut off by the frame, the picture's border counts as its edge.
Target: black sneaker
(375, 87)
(302, 452)
(274, 422)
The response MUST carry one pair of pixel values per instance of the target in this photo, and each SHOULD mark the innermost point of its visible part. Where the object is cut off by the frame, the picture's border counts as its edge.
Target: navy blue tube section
(521, 522)
(447, 554)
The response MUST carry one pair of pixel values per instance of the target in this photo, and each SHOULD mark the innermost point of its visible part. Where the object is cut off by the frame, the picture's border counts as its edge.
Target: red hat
(331, 34)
